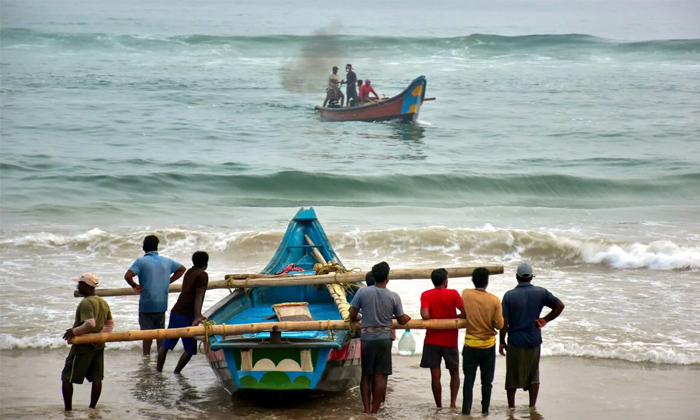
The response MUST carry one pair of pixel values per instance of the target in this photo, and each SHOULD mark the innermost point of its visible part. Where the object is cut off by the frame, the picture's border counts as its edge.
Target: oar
(332, 278)
(237, 329)
(429, 99)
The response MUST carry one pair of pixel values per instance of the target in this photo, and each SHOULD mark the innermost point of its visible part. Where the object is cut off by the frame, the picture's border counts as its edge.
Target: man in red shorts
(441, 303)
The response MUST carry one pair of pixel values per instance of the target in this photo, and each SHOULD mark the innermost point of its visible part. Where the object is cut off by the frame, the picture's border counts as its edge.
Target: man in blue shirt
(155, 274)
(522, 307)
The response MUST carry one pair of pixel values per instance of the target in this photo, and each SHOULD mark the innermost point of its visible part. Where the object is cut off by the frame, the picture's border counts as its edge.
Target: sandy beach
(572, 388)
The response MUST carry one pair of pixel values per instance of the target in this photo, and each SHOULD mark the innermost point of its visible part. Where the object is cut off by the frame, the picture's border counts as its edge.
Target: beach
(572, 388)
(563, 134)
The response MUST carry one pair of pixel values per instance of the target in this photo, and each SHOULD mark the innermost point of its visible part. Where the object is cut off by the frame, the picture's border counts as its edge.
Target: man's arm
(375, 93)
(424, 313)
(129, 277)
(354, 314)
(503, 332)
(178, 273)
(498, 316)
(109, 326)
(198, 303)
(403, 319)
(552, 315)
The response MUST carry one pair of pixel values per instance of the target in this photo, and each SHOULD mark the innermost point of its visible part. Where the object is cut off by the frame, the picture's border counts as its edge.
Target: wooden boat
(404, 106)
(308, 360)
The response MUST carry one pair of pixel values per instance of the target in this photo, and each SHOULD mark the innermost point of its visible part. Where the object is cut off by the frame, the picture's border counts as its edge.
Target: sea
(563, 134)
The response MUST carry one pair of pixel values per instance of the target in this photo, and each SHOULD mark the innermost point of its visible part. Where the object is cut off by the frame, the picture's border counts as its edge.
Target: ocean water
(564, 134)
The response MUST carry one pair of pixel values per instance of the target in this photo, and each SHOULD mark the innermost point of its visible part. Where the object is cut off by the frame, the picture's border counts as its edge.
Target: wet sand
(572, 388)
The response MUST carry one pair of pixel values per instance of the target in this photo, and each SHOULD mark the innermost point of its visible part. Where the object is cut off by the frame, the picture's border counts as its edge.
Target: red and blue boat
(404, 107)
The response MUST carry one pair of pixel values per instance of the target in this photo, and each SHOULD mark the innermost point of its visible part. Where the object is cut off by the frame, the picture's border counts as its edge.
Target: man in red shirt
(365, 90)
(441, 303)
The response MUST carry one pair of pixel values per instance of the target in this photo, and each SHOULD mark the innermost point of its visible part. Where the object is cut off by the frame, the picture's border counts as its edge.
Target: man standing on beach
(484, 317)
(187, 310)
(86, 360)
(522, 307)
(441, 303)
(379, 305)
(155, 274)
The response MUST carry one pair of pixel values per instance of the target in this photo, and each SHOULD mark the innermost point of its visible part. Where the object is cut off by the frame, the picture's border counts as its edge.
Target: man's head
(369, 279)
(480, 277)
(524, 273)
(335, 69)
(380, 272)
(348, 67)
(359, 82)
(150, 243)
(87, 283)
(200, 259)
(439, 278)
(368, 82)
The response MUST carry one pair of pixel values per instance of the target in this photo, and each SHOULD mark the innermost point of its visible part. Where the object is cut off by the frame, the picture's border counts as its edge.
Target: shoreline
(572, 388)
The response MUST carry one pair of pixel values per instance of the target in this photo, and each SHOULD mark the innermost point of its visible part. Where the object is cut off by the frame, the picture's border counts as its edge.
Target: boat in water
(405, 107)
(301, 360)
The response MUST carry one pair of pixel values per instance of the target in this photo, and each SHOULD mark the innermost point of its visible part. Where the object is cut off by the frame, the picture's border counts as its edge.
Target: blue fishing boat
(306, 360)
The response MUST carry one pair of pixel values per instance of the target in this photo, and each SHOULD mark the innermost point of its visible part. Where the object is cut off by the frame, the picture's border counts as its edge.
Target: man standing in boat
(86, 360)
(187, 310)
(441, 303)
(379, 305)
(351, 81)
(333, 89)
(155, 274)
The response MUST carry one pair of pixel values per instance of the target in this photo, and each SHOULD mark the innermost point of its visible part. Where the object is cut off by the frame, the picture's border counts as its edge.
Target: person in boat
(155, 274)
(522, 323)
(441, 303)
(484, 318)
(187, 310)
(379, 306)
(333, 90)
(365, 90)
(351, 80)
(86, 361)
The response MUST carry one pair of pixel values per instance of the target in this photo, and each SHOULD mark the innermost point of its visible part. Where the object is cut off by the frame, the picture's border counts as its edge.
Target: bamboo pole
(332, 278)
(237, 329)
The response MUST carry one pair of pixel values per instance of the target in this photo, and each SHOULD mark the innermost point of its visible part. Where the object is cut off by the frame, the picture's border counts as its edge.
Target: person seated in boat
(356, 100)
(365, 90)
(333, 89)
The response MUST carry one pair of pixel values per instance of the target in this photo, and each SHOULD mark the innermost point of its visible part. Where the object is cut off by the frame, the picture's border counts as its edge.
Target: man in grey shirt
(379, 306)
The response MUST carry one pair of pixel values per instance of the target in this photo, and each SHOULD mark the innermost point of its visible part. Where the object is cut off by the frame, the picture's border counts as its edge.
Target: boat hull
(404, 107)
(308, 360)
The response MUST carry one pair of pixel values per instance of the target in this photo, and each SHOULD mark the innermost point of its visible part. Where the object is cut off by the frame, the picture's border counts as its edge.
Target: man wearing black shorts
(379, 305)
(86, 360)
(441, 303)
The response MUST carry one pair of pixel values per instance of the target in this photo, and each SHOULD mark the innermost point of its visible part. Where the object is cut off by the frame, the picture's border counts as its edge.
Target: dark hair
(150, 243)
(369, 279)
(438, 276)
(380, 272)
(480, 277)
(200, 259)
(348, 65)
(359, 82)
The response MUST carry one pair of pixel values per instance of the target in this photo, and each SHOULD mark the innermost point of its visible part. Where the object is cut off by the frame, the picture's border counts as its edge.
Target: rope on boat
(208, 327)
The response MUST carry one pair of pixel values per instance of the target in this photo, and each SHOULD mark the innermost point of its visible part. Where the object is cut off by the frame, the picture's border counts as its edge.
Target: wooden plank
(237, 329)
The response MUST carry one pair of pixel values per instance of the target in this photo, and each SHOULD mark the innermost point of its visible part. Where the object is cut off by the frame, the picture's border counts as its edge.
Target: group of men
(516, 317)
(353, 85)
(155, 274)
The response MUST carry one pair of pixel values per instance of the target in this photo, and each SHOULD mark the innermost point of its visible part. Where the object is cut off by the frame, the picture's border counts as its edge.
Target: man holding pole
(86, 360)
(155, 274)
(441, 303)
(187, 310)
(379, 305)
(484, 317)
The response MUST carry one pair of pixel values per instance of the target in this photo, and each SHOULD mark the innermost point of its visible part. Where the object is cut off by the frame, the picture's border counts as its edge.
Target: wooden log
(429, 99)
(332, 278)
(237, 329)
